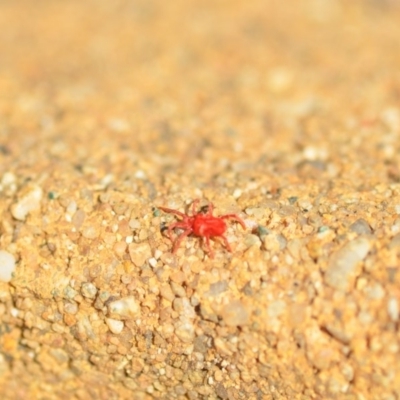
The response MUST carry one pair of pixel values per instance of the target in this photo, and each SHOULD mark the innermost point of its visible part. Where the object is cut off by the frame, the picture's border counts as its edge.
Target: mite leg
(209, 249)
(227, 245)
(170, 211)
(234, 217)
(194, 206)
(180, 225)
(179, 239)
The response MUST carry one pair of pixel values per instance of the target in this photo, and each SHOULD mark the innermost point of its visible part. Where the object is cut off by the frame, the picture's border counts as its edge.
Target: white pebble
(157, 254)
(139, 174)
(8, 178)
(114, 325)
(89, 290)
(393, 309)
(237, 193)
(126, 307)
(344, 263)
(235, 314)
(184, 329)
(7, 266)
(72, 207)
(153, 262)
(28, 202)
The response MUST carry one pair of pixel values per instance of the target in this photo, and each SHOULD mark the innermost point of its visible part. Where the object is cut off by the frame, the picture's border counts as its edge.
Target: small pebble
(276, 308)
(71, 207)
(235, 314)
(237, 193)
(114, 325)
(218, 288)
(126, 307)
(184, 329)
(29, 201)
(139, 253)
(90, 232)
(256, 212)
(78, 218)
(88, 290)
(393, 309)
(71, 308)
(153, 262)
(252, 240)
(70, 292)
(361, 227)
(7, 266)
(342, 267)
(183, 307)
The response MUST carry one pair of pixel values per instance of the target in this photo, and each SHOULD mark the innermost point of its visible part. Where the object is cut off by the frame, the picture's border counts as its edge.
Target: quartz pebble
(7, 266)
(139, 253)
(184, 329)
(89, 290)
(393, 309)
(343, 264)
(114, 325)
(126, 307)
(235, 314)
(361, 227)
(27, 202)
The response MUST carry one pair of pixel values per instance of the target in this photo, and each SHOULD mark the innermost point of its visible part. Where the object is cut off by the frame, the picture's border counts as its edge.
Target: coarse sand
(286, 113)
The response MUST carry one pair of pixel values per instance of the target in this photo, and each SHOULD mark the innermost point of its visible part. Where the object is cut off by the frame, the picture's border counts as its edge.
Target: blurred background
(266, 82)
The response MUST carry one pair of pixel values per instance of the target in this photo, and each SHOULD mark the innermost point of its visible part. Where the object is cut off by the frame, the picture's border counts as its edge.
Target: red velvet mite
(203, 225)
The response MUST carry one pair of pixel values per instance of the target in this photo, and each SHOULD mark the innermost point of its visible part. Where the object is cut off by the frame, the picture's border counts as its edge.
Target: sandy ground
(284, 113)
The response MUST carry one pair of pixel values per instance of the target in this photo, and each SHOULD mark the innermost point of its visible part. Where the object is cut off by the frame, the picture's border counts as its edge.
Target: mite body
(204, 225)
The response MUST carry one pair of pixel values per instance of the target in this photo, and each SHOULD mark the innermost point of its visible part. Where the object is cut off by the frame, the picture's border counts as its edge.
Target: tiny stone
(305, 205)
(88, 290)
(235, 314)
(72, 207)
(256, 212)
(252, 240)
(166, 292)
(276, 308)
(139, 253)
(78, 218)
(184, 329)
(374, 291)
(120, 248)
(200, 344)
(7, 179)
(361, 227)
(134, 224)
(70, 292)
(183, 307)
(237, 193)
(7, 266)
(71, 308)
(217, 288)
(157, 254)
(221, 392)
(153, 262)
(393, 309)
(342, 267)
(124, 308)
(90, 232)
(114, 325)
(28, 202)
(178, 290)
